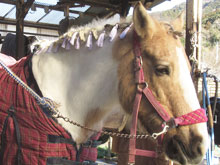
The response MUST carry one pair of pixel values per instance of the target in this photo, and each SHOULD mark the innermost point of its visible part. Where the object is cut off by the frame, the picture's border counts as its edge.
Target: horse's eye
(162, 70)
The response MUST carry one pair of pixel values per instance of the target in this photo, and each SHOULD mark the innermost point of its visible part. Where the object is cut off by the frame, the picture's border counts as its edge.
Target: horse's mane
(95, 28)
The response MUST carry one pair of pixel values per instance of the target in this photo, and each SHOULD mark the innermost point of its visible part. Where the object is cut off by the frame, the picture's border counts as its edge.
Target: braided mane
(92, 34)
(96, 31)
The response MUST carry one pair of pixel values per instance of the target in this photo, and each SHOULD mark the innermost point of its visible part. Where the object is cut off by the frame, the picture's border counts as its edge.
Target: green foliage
(210, 21)
(211, 17)
(211, 25)
(103, 152)
(182, 39)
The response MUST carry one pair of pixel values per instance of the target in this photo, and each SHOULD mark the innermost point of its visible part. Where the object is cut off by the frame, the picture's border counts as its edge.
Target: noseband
(194, 117)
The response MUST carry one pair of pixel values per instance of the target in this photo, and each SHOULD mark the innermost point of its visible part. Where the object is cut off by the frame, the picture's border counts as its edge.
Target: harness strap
(18, 136)
(11, 113)
(194, 117)
(157, 106)
(133, 130)
(3, 139)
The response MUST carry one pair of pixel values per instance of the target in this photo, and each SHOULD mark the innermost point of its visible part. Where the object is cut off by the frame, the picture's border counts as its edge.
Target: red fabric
(197, 116)
(33, 124)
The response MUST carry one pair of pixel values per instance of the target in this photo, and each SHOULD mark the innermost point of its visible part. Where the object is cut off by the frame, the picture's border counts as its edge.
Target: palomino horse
(91, 85)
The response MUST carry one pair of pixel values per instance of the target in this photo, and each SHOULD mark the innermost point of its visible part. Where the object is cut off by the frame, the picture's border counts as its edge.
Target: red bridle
(194, 117)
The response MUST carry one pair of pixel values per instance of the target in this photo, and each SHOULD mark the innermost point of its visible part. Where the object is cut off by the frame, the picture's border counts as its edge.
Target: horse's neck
(83, 82)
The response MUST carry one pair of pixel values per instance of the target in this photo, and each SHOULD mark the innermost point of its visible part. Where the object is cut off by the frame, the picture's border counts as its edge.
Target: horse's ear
(144, 24)
(178, 23)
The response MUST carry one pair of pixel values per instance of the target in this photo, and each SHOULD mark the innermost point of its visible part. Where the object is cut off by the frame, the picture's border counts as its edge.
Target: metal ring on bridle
(142, 86)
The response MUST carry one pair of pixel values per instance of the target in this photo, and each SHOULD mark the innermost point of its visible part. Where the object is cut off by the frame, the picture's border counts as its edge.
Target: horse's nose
(185, 152)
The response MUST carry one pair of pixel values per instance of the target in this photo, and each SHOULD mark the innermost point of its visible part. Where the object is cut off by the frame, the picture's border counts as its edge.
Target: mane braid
(97, 31)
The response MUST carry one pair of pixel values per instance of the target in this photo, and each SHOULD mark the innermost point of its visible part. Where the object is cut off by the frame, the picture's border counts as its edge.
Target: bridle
(194, 117)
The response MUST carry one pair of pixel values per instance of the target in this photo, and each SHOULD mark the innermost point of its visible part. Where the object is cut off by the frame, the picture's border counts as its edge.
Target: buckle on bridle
(165, 129)
(138, 63)
(171, 123)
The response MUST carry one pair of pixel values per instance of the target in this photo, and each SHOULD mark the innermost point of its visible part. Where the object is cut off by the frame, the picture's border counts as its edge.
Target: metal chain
(117, 134)
(51, 105)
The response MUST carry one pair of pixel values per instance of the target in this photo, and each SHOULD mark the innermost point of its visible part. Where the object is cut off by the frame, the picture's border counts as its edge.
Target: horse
(88, 85)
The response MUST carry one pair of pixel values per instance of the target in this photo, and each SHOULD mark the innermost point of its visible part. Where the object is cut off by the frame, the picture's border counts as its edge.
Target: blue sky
(163, 6)
(167, 5)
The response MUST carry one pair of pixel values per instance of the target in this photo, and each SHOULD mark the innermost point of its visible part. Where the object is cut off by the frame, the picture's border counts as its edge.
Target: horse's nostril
(199, 150)
(177, 149)
(174, 151)
(197, 146)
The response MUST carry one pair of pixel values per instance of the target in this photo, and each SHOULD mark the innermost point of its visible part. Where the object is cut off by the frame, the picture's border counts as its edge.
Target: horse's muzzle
(185, 153)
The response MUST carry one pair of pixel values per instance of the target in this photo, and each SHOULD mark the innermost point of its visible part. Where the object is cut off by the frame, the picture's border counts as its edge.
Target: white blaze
(186, 81)
(190, 92)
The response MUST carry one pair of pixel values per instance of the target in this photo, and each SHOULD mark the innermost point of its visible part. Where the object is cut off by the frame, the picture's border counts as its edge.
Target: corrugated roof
(40, 14)
(51, 12)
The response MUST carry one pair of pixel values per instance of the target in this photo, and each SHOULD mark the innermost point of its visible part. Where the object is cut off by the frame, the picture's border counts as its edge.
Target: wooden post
(193, 30)
(66, 11)
(125, 6)
(193, 34)
(19, 29)
(21, 11)
(199, 36)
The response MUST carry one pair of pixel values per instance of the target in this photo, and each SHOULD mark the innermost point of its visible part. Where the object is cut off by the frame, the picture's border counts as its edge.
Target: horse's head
(167, 73)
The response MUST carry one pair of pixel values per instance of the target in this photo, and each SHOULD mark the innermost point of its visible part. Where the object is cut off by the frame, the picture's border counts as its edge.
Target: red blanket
(27, 134)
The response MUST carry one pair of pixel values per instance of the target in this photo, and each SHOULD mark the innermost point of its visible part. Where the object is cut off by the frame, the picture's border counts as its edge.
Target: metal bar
(43, 16)
(57, 8)
(9, 11)
(95, 3)
(30, 24)
(36, 34)
(27, 6)
(19, 29)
